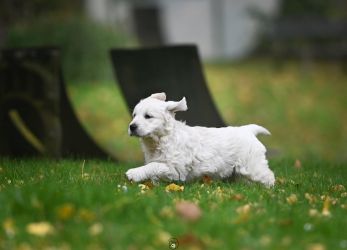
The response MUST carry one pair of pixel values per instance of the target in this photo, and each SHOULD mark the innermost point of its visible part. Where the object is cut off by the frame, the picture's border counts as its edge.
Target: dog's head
(152, 115)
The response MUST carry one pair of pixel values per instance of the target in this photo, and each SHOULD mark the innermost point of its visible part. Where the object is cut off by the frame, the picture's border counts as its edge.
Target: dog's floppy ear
(160, 96)
(177, 106)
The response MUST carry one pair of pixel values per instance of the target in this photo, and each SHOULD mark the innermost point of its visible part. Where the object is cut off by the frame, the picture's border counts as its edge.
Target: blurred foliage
(84, 44)
(12, 11)
(314, 8)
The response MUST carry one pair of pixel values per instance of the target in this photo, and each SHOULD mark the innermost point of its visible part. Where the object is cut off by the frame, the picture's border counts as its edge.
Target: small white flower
(308, 227)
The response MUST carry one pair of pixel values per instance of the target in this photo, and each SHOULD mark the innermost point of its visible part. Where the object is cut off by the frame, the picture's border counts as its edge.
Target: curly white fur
(175, 151)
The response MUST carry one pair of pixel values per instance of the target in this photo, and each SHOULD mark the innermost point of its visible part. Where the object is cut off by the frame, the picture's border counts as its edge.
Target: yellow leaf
(40, 228)
(244, 213)
(96, 229)
(9, 228)
(311, 198)
(292, 199)
(316, 246)
(144, 188)
(313, 212)
(173, 187)
(86, 215)
(326, 206)
(297, 164)
(66, 211)
(338, 188)
(166, 212)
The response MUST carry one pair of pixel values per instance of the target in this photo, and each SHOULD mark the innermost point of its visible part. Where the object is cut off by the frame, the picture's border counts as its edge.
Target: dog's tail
(256, 129)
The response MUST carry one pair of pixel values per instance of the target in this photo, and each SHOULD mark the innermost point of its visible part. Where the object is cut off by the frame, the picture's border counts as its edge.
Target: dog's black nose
(133, 127)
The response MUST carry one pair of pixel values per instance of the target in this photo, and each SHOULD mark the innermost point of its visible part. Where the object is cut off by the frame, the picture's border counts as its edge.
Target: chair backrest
(175, 70)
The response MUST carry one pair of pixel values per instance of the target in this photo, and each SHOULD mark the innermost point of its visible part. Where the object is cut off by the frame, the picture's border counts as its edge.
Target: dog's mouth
(134, 133)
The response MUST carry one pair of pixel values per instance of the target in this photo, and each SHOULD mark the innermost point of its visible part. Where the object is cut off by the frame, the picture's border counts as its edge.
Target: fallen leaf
(167, 212)
(162, 238)
(40, 228)
(281, 180)
(265, 240)
(96, 229)
(188, 210)
(86, 215)
(244, 209)
(66, 211)
(244, 213)
(313, 212)
(285, 222)
(338, 188)
(292, 199)
(316, 246)
(297, 164)
(207, 180)
(149, 184)
(173, 187)
(311, 198)
(326, 207)
(9, 227)
(237, 197)
(190, 241)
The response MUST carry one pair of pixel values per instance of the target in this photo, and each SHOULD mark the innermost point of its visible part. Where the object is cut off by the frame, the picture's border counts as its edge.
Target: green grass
(90, 205)
(88, 208)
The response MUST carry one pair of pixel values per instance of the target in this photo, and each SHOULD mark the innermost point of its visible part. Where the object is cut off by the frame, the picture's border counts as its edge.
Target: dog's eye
(147, 116)
(134, 115)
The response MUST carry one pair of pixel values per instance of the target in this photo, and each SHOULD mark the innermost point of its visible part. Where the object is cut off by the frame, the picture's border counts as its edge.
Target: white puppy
(175, 151)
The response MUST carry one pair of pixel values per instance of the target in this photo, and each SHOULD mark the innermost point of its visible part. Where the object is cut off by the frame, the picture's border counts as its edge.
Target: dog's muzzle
(132, 129)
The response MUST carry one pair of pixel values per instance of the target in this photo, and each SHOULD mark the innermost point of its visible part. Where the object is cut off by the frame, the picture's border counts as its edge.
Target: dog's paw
(134, 175)
(269, 181)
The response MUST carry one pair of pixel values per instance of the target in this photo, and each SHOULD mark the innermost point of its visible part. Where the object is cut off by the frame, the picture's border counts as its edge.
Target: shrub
(85, 44)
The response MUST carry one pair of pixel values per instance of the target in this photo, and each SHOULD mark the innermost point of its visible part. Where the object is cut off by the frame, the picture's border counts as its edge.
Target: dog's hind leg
(153, 171)
(259, 171)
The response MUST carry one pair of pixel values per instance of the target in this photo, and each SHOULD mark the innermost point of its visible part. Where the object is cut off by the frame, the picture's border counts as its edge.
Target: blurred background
(278, 63)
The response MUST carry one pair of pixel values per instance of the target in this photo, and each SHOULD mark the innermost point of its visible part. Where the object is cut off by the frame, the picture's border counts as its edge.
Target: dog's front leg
(153, 171)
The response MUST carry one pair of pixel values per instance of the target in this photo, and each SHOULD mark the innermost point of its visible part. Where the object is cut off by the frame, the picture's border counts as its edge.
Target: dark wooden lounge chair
(175, 70)
(36, 117)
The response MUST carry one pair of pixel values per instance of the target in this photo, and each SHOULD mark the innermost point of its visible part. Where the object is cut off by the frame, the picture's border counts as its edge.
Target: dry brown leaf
(207, 180)
(190, 241)
(237, 197)
(188, 210)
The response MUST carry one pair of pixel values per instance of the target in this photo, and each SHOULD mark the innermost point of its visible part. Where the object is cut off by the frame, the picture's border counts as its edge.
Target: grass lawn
(72, 204)
(77, 204)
